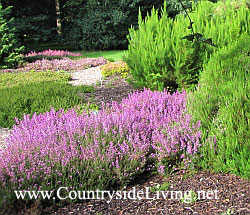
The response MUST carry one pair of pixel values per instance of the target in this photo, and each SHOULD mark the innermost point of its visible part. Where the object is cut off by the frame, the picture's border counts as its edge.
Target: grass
(114, 55)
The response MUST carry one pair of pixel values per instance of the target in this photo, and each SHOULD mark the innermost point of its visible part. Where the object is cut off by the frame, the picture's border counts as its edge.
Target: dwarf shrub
(90, 151)
(9, 80)
(37, 97)
(221, 102)
(157, 55)
(112, 68)
(48, 55)
(65, 64)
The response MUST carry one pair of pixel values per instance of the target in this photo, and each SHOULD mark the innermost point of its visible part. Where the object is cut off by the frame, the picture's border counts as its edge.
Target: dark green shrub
(38, 97)
(102, 24)
(157, 55)
(222, 103)
(9, 47)
(35, 21)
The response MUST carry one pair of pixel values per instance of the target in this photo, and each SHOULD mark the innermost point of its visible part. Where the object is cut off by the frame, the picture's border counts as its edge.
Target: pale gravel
(89, 76)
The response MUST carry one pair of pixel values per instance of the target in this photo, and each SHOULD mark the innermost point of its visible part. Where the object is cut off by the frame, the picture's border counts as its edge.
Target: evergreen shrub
(222, 103)
(157, 55)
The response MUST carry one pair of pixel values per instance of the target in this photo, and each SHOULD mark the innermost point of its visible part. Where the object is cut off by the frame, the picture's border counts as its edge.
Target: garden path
(89, 76)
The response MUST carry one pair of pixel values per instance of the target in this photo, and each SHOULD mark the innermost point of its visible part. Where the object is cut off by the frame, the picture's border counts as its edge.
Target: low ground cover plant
(65, 64)
(11, 79)
(112, 68)
(221, 102)
(32, 92)
(59, 147)
(49, 55)
(50, 52)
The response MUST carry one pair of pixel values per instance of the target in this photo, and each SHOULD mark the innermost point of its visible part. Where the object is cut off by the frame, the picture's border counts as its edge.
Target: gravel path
(4, 132)
(86, 77)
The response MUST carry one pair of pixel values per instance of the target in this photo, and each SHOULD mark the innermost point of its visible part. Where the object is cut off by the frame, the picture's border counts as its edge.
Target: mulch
(233, 195)
(233, 192)
(113, 89)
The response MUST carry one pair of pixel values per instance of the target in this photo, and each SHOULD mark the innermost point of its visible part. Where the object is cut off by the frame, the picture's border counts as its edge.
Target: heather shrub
(10, 49)
(65, 64)
(49, 55)
(157, 55)
(37, 97)
(112, 68)
(221, 102)
(31, 59)
(96, 151)
(49, 52)
(11, 79)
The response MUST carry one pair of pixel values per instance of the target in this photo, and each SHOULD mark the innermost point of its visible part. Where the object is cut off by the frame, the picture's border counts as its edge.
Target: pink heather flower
(40, 144)
(65, 64)
(161, 169)
(50, 52)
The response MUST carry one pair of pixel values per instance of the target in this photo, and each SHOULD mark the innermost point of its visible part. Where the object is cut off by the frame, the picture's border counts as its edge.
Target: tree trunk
(58, 17)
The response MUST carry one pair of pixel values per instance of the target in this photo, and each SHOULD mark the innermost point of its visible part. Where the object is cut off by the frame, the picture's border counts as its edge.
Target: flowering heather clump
(65, 64)
(113, 145)
(50, 52)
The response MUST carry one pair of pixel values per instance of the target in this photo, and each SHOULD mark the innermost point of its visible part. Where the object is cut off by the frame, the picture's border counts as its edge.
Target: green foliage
(102, 24)
(157, 55)
(34, 20)
(175, 7)
(189, 197)
(112, 68)
(9, 47)
(221, 102)
(9, 80)
(38, 97)
(160, 187)
(34, 28)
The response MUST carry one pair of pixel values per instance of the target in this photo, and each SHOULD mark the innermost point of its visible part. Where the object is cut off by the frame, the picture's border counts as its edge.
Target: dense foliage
(63, 148)
(157, 55)
(9, 47)
(98, 25)
(9, 80)
(57, 63)
(222, 103)
(38, 98)
(112, 68)
(35, 21)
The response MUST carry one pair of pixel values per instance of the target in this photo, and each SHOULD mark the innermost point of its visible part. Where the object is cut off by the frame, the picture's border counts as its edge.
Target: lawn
(113, 55)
